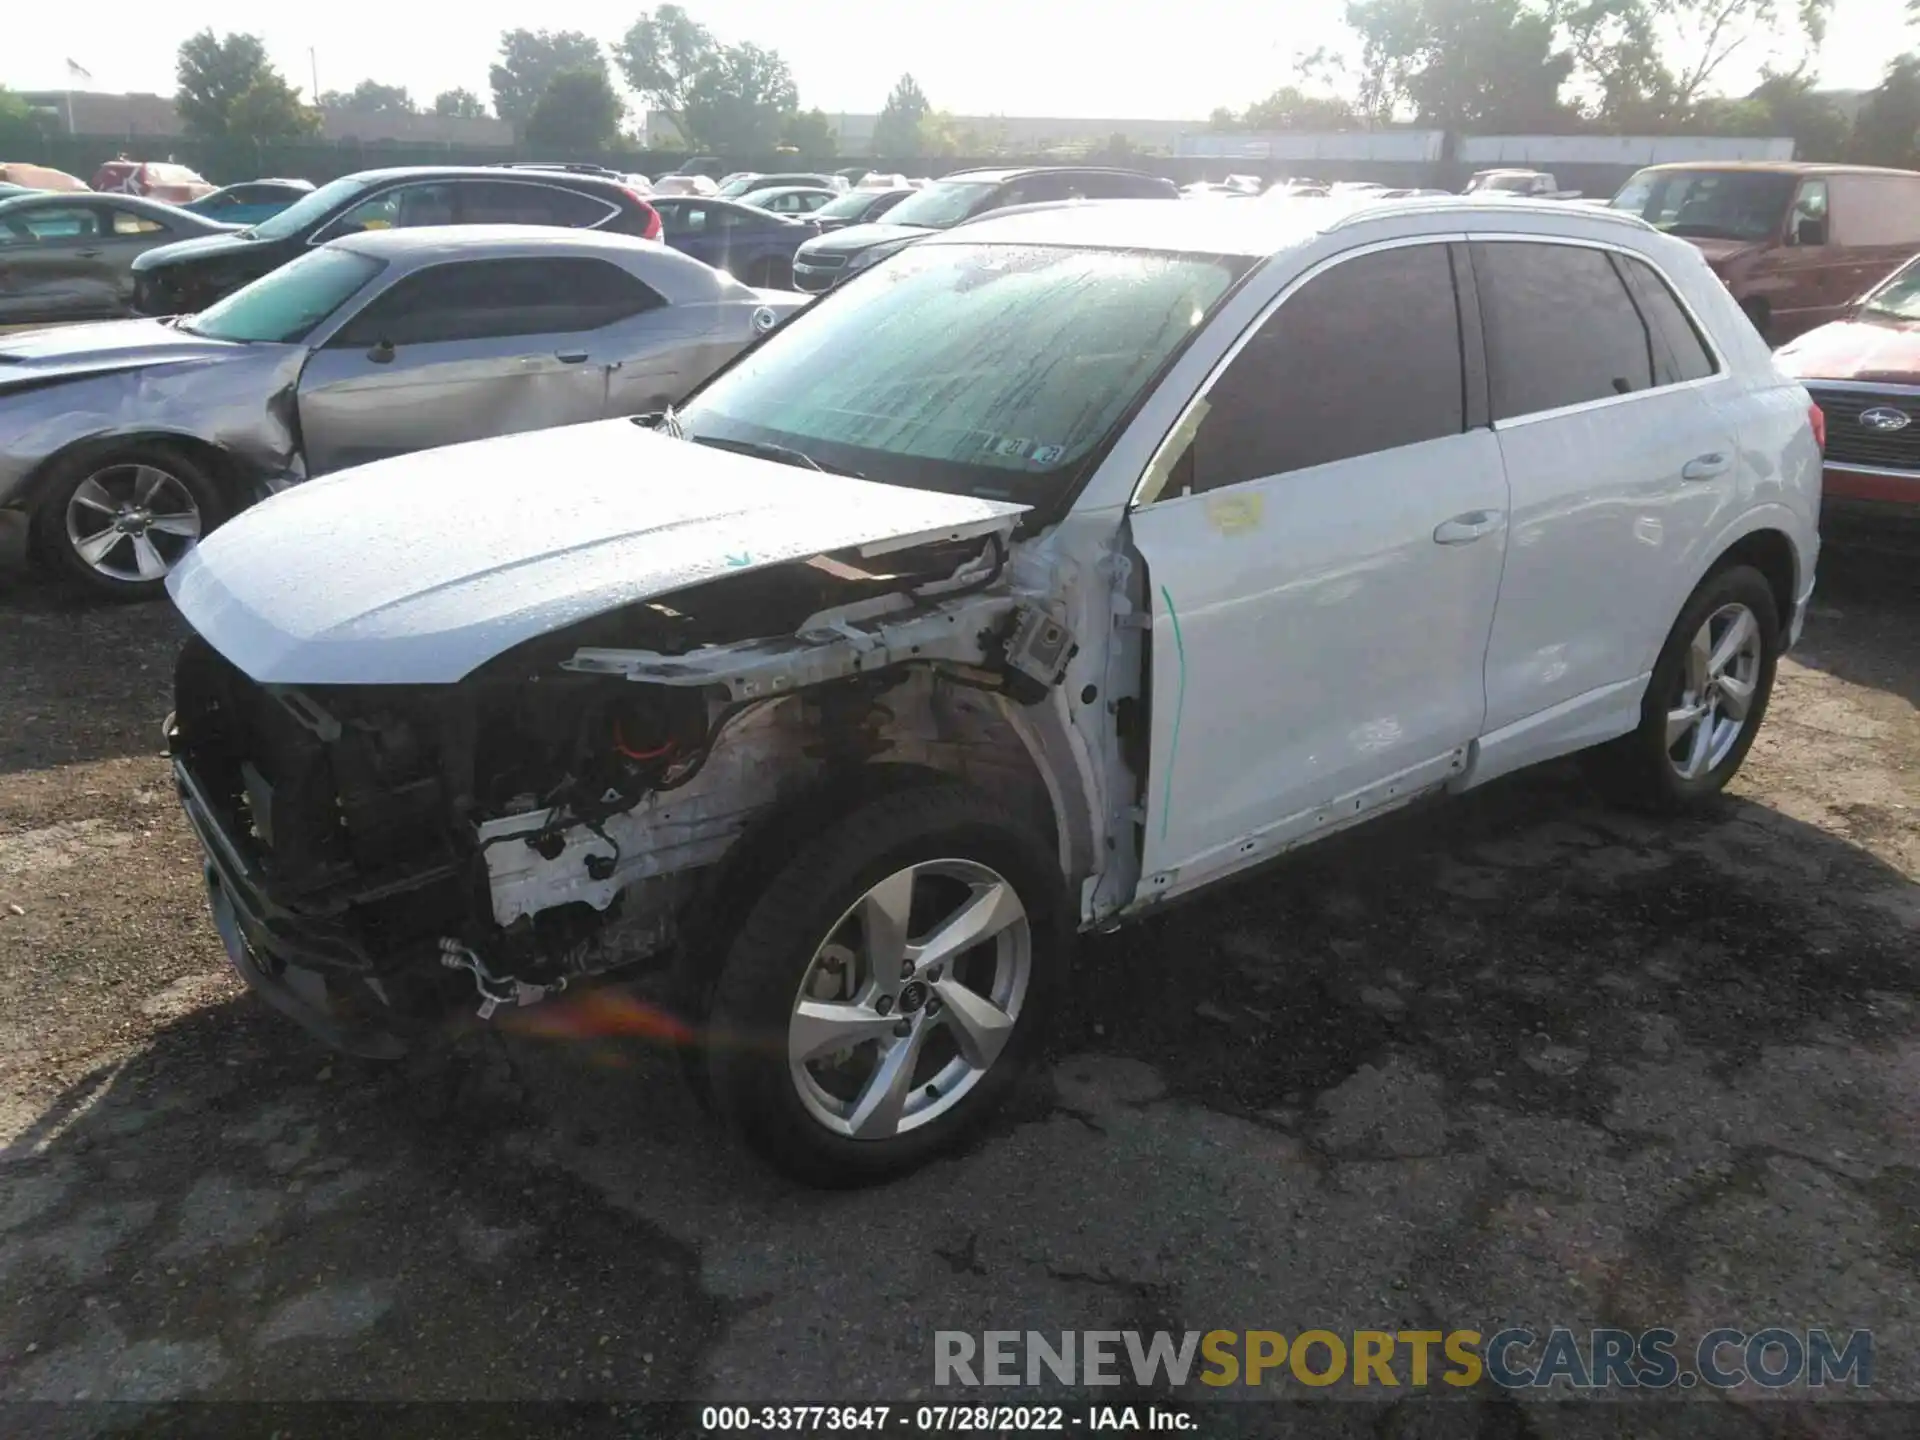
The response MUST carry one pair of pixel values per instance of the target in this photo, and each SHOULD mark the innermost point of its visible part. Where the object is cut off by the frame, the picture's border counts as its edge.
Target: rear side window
(1678, 351)
(1560, 328)
(1364, 357)
(497, 202)
(489, 299)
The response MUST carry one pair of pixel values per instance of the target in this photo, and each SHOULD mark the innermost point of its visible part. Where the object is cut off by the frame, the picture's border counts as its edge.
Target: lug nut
(903, 1029)
(933, 975)
(906, 969)
(884, 1004)
(933, 1005)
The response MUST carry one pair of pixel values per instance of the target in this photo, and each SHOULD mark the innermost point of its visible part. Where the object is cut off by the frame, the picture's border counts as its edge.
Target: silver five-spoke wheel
(910, 999)
(132, 522)
(1716, 693)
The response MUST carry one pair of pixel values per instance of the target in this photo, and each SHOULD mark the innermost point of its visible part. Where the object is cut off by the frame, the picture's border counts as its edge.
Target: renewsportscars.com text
(1514, 1359)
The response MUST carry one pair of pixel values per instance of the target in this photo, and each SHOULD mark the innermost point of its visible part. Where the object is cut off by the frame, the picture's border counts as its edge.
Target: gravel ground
(1519, 1058)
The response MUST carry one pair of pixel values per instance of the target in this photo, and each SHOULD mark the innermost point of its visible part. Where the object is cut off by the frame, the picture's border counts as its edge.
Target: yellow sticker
(1232, 514)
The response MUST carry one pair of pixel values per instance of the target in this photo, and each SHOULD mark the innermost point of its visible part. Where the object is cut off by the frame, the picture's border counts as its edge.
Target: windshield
(850, 206)
(1898, 296)
(1505, 184)
(284, 306)
(1709, 204)
(942, 205)
(739, 185)
(309, 209)
(990, 370)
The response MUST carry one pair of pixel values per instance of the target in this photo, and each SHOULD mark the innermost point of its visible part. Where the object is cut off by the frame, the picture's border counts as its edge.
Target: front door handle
(571, 357)
(1704, 467)
(87, 254)
(1465, 529)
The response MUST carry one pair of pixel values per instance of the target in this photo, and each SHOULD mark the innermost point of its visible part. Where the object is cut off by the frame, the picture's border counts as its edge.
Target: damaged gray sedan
(122, 443)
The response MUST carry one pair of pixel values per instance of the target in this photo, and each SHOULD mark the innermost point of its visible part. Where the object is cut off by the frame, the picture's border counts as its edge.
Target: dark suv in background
(963, 195)
(191, 275)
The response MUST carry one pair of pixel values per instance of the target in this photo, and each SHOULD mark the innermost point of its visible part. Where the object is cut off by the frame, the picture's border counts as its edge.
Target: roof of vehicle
(527, 175)
(1780, 167)
(1247, 230)
(99, 199)
(1015, 172)
(679, 278)
(791, 190)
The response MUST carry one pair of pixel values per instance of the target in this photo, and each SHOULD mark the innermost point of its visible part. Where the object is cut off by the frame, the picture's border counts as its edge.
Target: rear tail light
(652, 230)
(1817, 418)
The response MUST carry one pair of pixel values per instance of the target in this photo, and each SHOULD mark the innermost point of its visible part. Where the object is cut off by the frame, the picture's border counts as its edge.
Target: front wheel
(887, 986)
(118, 522)
(1706, 699)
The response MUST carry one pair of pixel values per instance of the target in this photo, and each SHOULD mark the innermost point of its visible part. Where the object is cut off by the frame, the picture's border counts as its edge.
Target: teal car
(250, 202)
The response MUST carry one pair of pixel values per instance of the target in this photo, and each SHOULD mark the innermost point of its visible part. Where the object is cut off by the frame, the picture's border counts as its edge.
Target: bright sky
(1150, 59)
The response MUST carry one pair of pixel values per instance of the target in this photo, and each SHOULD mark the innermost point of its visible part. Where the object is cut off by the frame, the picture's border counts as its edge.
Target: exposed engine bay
(566, 809)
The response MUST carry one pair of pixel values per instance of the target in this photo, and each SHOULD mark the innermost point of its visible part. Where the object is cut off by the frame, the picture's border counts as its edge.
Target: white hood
(419, 569)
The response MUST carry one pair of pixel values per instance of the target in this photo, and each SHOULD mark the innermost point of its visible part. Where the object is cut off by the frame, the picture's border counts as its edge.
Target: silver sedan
(122, 443)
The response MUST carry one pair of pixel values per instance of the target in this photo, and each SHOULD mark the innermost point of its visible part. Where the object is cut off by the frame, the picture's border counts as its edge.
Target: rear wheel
(887, 987)
(119, 521)
(1706, 699)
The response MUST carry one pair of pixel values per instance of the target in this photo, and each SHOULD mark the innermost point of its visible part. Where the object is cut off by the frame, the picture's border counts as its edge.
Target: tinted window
(402, 207)
(1678, 351)
(484, 299)
(49, 222)
(496, 202)
(1364, 357)
(310, 208)
(1560, 327)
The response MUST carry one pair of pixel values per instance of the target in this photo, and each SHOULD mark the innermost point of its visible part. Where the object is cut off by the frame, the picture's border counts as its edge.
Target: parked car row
(1074, 559)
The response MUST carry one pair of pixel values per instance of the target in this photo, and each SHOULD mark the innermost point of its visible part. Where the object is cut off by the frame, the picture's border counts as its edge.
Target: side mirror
(1810, 230)
(381, 353)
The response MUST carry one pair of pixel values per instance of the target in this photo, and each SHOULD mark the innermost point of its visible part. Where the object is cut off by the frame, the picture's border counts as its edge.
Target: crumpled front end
(385, 858)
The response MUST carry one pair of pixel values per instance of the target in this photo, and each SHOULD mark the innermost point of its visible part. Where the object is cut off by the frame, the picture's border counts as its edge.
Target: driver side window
(404, 205)
(492, 299)
(1809, 223)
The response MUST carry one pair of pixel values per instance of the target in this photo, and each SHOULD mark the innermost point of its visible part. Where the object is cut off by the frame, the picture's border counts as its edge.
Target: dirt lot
(1519, 1059)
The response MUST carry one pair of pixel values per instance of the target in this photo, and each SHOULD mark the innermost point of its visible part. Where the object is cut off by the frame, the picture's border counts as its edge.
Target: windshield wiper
(767, 450)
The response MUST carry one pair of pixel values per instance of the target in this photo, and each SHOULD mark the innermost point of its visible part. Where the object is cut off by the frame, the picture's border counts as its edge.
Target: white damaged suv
(1064, 564)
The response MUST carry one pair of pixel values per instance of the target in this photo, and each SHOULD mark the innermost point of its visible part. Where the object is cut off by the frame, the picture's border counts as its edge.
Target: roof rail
(1416, 205)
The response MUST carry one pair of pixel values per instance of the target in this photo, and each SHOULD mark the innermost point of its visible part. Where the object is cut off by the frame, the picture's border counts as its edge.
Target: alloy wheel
(910, 999)
(1717, 690)
(132, 522)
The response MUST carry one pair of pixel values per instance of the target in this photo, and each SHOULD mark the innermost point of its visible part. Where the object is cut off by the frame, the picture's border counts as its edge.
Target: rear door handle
(571, 357)
(1704, 467)
(87, 254)
(1465, 529)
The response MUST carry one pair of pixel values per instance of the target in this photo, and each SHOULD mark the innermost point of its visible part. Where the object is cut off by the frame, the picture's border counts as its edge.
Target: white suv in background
(1065, 563)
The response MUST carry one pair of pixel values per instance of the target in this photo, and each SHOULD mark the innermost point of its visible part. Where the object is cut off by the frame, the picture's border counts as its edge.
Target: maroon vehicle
(1863, 371)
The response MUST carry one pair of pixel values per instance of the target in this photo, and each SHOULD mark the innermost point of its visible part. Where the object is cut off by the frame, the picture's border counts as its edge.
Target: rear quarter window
(1874, 209)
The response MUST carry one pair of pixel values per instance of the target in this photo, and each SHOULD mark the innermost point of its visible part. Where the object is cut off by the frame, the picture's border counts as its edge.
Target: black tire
(55, 538)
(1638, 769)
(798, 911)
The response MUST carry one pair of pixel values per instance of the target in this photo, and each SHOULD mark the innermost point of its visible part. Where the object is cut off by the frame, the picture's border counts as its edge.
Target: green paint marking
(1179, 704)
(737, 561)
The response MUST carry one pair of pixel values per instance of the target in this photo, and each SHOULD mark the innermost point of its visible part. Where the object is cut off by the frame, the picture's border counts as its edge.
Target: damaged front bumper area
(384, 858)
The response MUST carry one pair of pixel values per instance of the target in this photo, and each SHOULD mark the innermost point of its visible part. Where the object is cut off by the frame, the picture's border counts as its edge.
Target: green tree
(270, 109)
(19, 128)
(1887, 129)
(1288, 109)
(459, 104)
(1486, 65)
(1793, 107)
(211, 74)
(740, 100)
(579, 112)
(896, 133)
(529, 59)
(663, 55)
(810, 132)
(370, 97)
